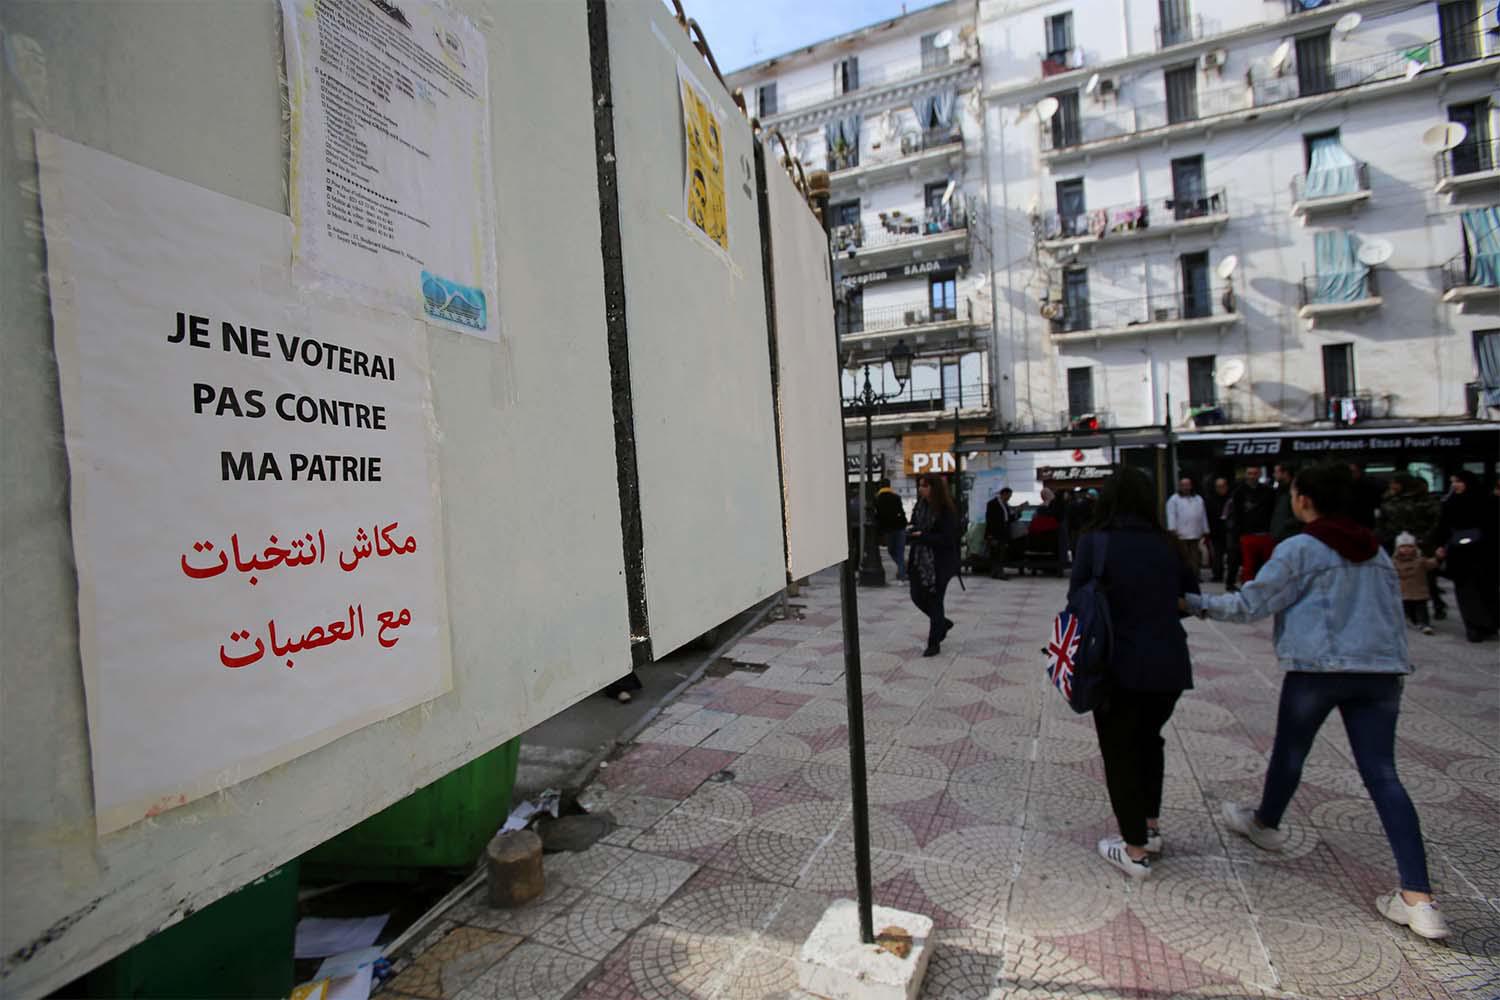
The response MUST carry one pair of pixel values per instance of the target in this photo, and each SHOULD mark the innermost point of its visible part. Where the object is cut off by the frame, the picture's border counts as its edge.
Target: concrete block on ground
(835, 964)
(513, 866)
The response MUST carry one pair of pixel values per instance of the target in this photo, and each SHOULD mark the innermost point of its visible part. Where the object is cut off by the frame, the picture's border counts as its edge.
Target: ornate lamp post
(871, 573)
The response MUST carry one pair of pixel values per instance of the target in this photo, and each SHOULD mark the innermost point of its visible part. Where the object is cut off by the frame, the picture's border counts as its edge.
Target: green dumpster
(444, 825)
(239, 946)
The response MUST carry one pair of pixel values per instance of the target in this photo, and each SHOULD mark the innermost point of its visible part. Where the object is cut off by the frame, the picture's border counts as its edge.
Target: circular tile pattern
(682, 832)
(996, 803)
(1431, 731)
(722, 802)
(964, 965)
(1053, 813)
(1001, 733)
(1328, 963)
(832, 869)
(1203, 715)
(1002, 772)
(759, 769)
(955, 694)
(1043, 970)
(781, 744)
(728, 909)
(668, 963)
(813, 820)
(914, 763)
(978, 897)
(1480, 774)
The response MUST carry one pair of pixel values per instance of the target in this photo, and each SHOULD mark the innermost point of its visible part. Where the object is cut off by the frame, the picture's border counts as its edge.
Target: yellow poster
(703, 189)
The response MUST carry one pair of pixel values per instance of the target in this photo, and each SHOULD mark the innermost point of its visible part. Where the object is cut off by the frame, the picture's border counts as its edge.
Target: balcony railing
(1294, 7)
(881, 319)
(1124, 121)
(1189, 29)
(1211, 413)
(1351, 408)
(898, 227)
(917, 402)
(871, 76)
(1079, 316)
(1466, 270)
(1134, 218)
(1469, 157)
(1085, 423)
(1300, 192)
(1325, 289)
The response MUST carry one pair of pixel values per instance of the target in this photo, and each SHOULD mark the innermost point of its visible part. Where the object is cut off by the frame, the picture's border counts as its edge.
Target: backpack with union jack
(1082, 637)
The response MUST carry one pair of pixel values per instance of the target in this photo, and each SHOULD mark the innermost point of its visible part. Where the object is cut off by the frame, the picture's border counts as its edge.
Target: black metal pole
(871, 571)
(853, 686)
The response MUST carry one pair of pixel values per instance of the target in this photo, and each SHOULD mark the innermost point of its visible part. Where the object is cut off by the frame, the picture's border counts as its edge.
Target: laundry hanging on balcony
(842, 136)
(1331, 170)
(1340, 275)
(1482, 242)
(935, 110)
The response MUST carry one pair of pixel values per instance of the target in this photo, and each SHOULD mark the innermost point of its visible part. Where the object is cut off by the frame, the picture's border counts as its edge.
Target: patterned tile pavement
(987, 796)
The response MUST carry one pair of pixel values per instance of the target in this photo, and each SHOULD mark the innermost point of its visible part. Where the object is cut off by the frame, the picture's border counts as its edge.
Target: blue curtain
(1340, 275)
(1487, 349)
(1331, 171)
(850, 126)
(946, 101)
(1482, 231)
(924, 106)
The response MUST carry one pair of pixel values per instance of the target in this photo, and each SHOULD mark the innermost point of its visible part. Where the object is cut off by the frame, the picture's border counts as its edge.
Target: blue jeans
(895, 544)
(1369, 704)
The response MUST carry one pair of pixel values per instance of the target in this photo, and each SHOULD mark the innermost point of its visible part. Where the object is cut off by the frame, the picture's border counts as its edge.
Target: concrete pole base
(513, 865)
(834, 964)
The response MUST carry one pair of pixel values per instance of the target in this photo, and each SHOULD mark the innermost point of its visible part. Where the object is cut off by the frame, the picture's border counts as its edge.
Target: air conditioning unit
(1164, 314)
(1215, 59)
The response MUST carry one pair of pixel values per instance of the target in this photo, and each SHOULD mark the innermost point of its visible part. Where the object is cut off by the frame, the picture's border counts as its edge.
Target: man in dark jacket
(1367, 496)
(997, 516)
(1253, 504)
(890, 521)
(1284, 523)
(1218, 528)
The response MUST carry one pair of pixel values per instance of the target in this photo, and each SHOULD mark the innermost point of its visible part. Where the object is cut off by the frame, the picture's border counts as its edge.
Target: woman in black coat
(1468, 542)
(934, 555)
(1145, 573)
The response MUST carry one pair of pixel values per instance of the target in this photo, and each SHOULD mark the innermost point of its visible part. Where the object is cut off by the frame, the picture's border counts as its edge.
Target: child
(1413, 570)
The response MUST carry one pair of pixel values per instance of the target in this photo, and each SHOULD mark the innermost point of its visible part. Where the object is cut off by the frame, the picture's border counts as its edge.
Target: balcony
(927, 152)
(1208, 414)
(1307, 203)
(1471, 278)
(1162, 218)
(1295, 7)
(1471, 167)
(1085, 423)
(1321, 296)
(903, 239)
(872, 78)
(1168, 312)
(1350, 409)
(1121, 127)
(1190, 29)
(876, 330)
(925, 406)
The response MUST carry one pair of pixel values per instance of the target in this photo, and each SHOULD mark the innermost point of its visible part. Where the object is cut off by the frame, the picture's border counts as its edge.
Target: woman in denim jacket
(1341, 640)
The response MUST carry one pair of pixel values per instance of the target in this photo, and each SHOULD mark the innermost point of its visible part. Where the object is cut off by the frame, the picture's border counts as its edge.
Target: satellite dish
(1345, 25)
(1046, 108)
(945, 38)
(1092, 85)
(1375, 251)
(1280, 57)
(1444, 137)
(948, 192)
(1230, 373)
(1227, 266)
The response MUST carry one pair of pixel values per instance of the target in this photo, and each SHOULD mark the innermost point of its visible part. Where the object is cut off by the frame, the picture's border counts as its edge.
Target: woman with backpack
(1144, 575)
(1341, 643)
(934, 555)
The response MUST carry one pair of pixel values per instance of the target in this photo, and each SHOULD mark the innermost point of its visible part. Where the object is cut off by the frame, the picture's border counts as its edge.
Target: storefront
(1433, 453)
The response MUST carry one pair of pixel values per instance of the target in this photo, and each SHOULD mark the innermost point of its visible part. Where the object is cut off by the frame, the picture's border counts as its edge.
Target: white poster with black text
(390, 157)
(254, 510)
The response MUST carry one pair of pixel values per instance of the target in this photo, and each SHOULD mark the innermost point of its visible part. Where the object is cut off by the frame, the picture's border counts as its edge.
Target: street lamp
(871, 573)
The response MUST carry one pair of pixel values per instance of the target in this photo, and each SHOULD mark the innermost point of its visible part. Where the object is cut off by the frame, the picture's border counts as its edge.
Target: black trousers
(1129, 727)
(1232, 560)
(930, 603)
(1416, 612)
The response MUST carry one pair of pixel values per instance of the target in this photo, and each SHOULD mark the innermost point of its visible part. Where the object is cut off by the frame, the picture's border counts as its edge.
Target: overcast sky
(742, 32)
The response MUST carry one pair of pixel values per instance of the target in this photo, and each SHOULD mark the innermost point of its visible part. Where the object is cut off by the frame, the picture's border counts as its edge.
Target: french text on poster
(256, 533)
(391, 156)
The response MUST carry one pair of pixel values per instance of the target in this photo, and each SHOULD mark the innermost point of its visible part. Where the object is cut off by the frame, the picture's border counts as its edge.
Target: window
(1314, 71)
(1176, 22)
(1075, 299)
(1065, 130)
(932, 198)
(845, 213)
(1189, 193)
(1312, 140)
(952, 384)
(1477, 151)
(1072, 211)
(849, 312)
(942, 296)
(846, 75)
(1197, 295)
(1182, 93)
(1060, 37)
(1080, 391)
(1458, 31)
(933, 57)
(1202, 389)
(1338, 372)
(765, 99)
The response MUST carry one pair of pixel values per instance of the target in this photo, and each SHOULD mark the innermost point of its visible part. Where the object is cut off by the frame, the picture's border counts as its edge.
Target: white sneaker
(1153, 841)
(1427, 630)
(623, 697)
(1241, 819)
(1424, 919)
(1112, 849)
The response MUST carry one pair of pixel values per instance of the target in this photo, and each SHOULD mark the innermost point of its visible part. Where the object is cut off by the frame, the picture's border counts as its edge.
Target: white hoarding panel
(256, 529)
(700, 371)
(812, 421)
(390, 134)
